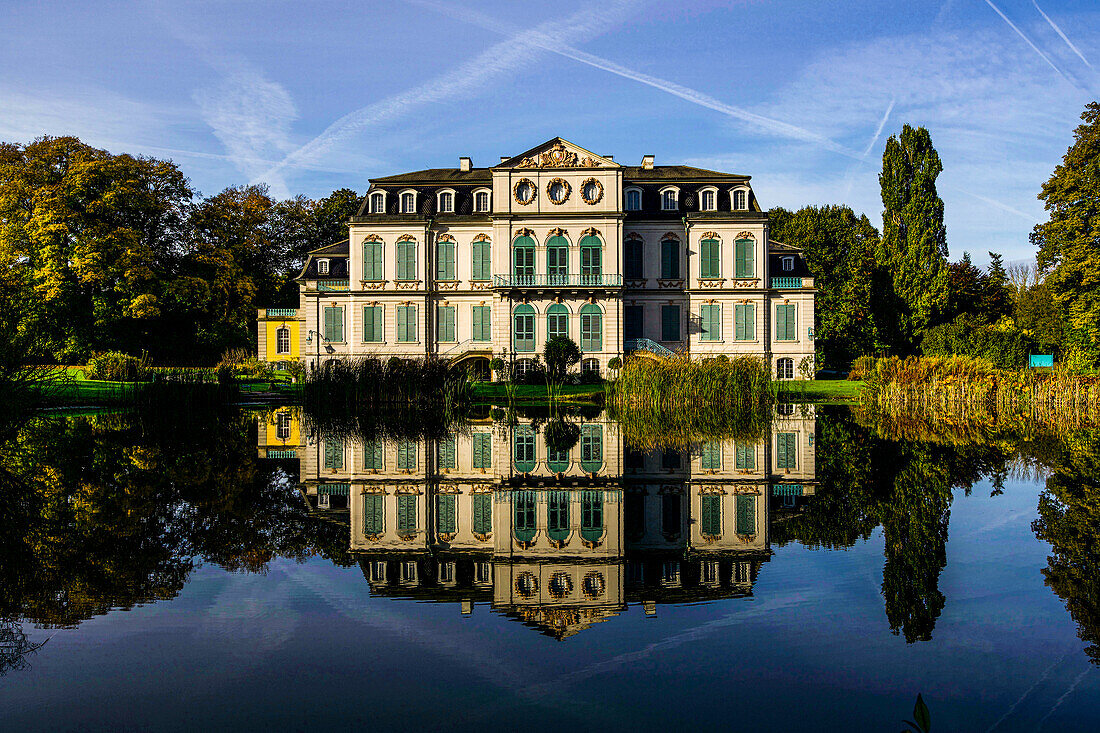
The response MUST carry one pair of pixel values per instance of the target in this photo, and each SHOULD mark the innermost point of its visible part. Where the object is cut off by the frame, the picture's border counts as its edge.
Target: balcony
(281, 312)
(786, 283)
(329, 286)
(558, 281)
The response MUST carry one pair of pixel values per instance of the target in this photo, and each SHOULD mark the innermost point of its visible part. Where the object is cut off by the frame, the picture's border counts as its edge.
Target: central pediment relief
(558, 153)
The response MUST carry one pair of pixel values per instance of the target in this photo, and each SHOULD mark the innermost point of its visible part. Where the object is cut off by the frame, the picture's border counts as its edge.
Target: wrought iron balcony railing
(558, 281)
(332, 285)
(786, 282)
(647, 345)
(282, 312)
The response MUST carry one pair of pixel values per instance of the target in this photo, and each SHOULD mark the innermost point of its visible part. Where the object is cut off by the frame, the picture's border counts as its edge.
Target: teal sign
(1041, 360)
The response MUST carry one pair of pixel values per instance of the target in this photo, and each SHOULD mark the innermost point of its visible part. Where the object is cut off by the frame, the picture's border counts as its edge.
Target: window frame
(322, 266)
(790, 333)
(675, 191)
(591, 318)
(411, 326)
(520, 346)
(481, 263)
(406, 254)
(634, 258)
(481, 323)
(742, 330)
(743, 190)
(670, 265)
(401, 199)
(446, 266)
(326, 323)
(744, 267)
(478, 192)
(668, 308)
(446, 326)
(710, 257)
(714, 333)
(554, 313)
(279, 332)
(626, 198)
(712, 191)
(374, 258)
(439, 201)
(375, 197)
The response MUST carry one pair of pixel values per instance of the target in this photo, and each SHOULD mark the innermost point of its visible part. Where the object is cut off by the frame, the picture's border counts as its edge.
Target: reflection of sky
(306, 646)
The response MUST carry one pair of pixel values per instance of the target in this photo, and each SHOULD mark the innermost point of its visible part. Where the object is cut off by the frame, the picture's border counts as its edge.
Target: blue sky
(313, 96)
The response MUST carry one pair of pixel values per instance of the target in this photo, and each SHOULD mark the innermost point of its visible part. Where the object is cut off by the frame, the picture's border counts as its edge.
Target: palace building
(472, 263)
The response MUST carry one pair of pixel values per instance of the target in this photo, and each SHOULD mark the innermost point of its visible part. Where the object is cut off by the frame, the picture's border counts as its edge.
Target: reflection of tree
(14, 646)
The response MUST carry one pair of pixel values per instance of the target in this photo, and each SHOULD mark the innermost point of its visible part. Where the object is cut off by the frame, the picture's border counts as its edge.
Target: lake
(815, 570)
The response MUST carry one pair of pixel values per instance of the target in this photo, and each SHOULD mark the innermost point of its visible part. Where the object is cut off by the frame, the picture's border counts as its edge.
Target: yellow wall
(270, 436)
(273, 344)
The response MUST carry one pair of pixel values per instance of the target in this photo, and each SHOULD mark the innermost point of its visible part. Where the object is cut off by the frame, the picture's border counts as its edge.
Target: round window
(558, 190)
(524, 191)
(561, 585)
(593, 585)
(527, 585)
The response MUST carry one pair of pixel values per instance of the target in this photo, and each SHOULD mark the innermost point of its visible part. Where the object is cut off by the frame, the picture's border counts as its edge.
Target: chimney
(647, 162)
(464, 164)
(610, 157)
(504, 158)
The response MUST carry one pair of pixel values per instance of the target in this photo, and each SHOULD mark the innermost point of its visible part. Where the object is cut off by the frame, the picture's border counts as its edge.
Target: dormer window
(378, 203)
(633, 199)
(708, 200)
(740, 200)
(446, 202)
(322, 267)
(408, 203)
(481, 201)
(669, 199)
(788, 264)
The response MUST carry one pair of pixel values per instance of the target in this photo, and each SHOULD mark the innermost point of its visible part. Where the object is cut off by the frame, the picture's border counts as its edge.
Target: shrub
(496, 364)
(615, 363)
(861, 367)
(560, 352)
(114, 366)
(1005, 348)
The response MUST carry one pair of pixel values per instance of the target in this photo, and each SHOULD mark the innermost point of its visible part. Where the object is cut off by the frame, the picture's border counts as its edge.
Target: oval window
(594, 585)
(561, 585)
(557, 191)
(527, 585)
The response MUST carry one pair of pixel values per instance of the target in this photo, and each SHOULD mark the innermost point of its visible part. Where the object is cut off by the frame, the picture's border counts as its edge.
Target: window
(372, 324)
(591, 191)
(633, 268)
(446, 520)
(378, 203)
(591, 515)
(591, 251)
(745, 318)
(523, 328)
(591, 448)
(322, 267)
(785, 323)
(710, 572)
(406, 260)
(712, 515)
(445, 259)
(670, 323)
(523, 523)
(406, 514)
(557, 515)
(334, 323)
(591, 327)
(557, 191)
(745, 457)
(374, 515)
(483, 514)
(744, 252)
(282, 425)
(445, 323)
(557, 460)
(784, 369)
(523, 449)
(788, 264)
(482, 323)
(746, 514)
(590, 366)
(406, 455)
(481, 201)
(557, 321)
(671, 522)
(710, 258)
(446, 202)
(334, 455)
(372, 260)
(670, 259)
(634, 516)
(523, 260)
(523, 366)
(483, 450)
(446, 569)
(706, 201)
(712, 456)
(711, 316)
(633, 200)
(373, 456)
(670, 459)
(406, 324)
(633, 322)
(408, 203)
(786, 451)
(557, 260)
(482, 265)
(282, 341)
(669, 199)
(740, 200)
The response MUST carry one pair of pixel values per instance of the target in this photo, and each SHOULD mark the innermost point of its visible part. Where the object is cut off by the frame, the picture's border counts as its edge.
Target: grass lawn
(823, 390)
(494, 391)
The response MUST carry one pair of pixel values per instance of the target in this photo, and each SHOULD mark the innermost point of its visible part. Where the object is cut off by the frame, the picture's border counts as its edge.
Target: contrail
(1062, 699)
(878, 130)
(1060, 33)
(554, 45)
(1027, 692)
(1028, 41)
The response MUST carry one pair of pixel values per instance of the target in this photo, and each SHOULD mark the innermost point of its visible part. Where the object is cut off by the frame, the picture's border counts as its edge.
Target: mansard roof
(335, 249)
(338, 267)
(436, 176)
(684, 174)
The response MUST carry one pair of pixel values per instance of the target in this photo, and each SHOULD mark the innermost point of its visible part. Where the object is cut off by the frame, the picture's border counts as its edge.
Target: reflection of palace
(559, 539)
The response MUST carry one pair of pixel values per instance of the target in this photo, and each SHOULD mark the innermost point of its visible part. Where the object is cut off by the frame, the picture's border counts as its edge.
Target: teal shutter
(634, 259)
(406, 323)
(481, 263)
(670, 323)
(372, 456)
(591, 247)
(591, 328)
(712, 456)
(591, 515)
(372, 324)
(524, 522)
(785, 323)
(591, 448)
(482, 323)
(712, 515)
(406, 455)
(745, 315)
(670, 260)
(372, 261)
(786, 450)
(483, 450)
(373, 514)
(406, 513)
(523, 328)
(447, 458)
(746, 514)
(523, 449)
(557, 515)
(406, 260)
(334, 324)
(446, 521)
(711, 316)
(445, 323)
(334, 454)
(710, 258)
(445, 260)
(744, 249)
(746, 457)
(483, 513)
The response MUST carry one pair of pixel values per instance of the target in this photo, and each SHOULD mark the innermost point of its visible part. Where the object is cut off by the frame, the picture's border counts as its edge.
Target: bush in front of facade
(115, 366)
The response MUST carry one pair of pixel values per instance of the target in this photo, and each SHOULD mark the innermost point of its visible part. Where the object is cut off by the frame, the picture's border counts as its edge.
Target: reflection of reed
(656, 427)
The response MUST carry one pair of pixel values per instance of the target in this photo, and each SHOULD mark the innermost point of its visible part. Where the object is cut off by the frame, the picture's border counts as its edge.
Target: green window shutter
(406, 323)
(710, 264)
(634, 259)
(591, 448)
(483, 446)
(633, 322)
(445, 323)
(746, 457)
(445, 260)
(591, 515)
(670, 323)
(523, 328)
(712, 456)
(746, 514)
(481, 262)
(745, 315)
(786, 450)
(406, 513)
(744, 250)
(446, 521)
(712, 515)
(372, 456)
(406, 260)
(334, 454)
(557, 515)
(372, 261)
(785, 323)
(524, 518)
(447, 458)
(557, 321)
(334, 324)
(373, 514)
(482, 323)
(483, 513)
(591, 328)
(406, 455)
(372, 324)
(712, 322)
(523, 449)
(670, 260)
(591, 249)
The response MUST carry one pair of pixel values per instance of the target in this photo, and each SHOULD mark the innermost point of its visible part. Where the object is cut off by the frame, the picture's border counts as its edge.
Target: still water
(266, 569)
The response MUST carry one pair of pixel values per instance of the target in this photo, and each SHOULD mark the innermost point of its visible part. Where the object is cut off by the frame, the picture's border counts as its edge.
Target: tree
(996, 294)
(1069, 242)
(965, 286)
(560, 353)
(913, 249)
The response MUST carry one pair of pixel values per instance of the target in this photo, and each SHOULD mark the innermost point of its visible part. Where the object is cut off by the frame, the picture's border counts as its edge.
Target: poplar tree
(913, 248)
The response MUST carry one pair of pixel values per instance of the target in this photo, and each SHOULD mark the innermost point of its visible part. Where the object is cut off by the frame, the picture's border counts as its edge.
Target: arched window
(633, 199)
(523, 449)
(523, 524)
(591, 328)
(788, 264)
(708, 200)
(322, 267)
(740, 199)
(710, 258)
(523, 328)
(446, 202)
(408, 203)
(591, 448)
(282, 341)
(670, 199)
(557, 321)
(590, 366)
(406, 260)
(481, 201)
(557, 260)
(784, 368)
(445, 259)
(378, 203)
(557, 515)
(591, 515)
(591, 260)
(557, 460)
(523, 260)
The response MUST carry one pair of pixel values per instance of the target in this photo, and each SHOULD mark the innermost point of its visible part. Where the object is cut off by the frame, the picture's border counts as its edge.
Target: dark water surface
(261, 570)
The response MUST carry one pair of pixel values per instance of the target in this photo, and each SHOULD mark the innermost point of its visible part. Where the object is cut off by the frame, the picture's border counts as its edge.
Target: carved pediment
(558, 153)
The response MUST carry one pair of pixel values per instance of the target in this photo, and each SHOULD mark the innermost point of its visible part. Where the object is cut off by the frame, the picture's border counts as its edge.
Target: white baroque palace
(472, 263)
